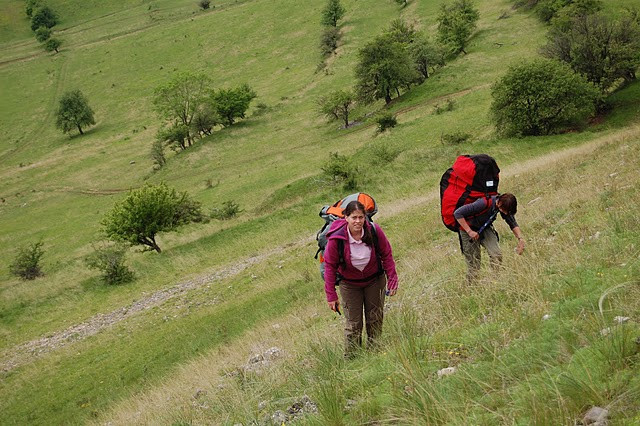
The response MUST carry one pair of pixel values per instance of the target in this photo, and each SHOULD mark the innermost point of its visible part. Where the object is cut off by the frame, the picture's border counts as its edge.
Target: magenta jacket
(337, 231)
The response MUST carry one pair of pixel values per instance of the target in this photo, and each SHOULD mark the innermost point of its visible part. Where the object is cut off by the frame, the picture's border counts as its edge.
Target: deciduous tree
(147, 211)
(178, 101)
(541, 97)
(598, 47)
(337, 105)
(231, 104)
(456, 23)
(384, 66)
(332, 13)
(43, 17)
(74, 112)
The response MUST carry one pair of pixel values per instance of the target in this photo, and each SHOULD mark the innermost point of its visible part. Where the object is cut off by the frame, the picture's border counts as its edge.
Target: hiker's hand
(520, 247)
(335, 305)
(473, 235)
(392, 292)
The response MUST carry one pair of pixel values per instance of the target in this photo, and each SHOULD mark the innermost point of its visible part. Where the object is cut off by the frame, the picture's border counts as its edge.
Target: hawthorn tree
(456, 23)
(384, 66)
(147, 211)
(43, 17)
(43, 34)
(332, 13)
(231, 104)
(541, 97)
(53, 44)
(178, 101)
(74, 112)
(601, 49)
(337, 105)
(425, 55)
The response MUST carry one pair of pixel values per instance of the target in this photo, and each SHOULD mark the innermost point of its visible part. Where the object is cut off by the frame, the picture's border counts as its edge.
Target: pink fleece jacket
(338, 231)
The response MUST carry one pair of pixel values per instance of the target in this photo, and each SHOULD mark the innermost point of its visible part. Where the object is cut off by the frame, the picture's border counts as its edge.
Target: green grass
(117, 53)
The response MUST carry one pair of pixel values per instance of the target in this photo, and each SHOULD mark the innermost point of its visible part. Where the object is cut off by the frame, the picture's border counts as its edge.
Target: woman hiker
(476, 229)
(358, 257)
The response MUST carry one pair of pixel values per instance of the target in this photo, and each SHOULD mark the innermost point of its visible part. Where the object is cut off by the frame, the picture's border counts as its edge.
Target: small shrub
(26, 265)
(340, 168)
(110, 260)
(260, 109)
(157, 154)
(329, 40)
(455, 138)
(43, 34)
(541, 97)
(228, 210)
(204, 4)
(386, 121)
(384, 154)
(449, 105)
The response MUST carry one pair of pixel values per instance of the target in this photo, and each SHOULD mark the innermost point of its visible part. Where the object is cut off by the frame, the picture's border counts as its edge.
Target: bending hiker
(476, 229)
(358, 257)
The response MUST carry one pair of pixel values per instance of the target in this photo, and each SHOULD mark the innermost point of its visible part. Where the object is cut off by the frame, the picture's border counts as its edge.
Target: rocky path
(23, 353)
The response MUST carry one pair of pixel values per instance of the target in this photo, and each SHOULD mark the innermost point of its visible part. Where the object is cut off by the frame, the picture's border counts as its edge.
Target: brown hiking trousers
(355, 299)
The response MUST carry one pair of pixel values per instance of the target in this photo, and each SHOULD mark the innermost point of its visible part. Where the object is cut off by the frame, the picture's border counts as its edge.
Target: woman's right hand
(335, 306)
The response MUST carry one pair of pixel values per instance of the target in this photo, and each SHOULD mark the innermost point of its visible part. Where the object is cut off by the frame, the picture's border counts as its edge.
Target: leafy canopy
(384, 66)
(231, 104)
(147, 211)
(337, 105)
(456, 23)
(43, 17)
(74, 112)
(332, 13)
(600, 48)
(541, 97)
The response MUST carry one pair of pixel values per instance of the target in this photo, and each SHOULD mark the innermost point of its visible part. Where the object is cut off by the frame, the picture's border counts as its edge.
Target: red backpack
(470, 178)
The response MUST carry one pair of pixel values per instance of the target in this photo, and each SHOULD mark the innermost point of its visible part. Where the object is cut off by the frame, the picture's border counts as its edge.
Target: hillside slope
(240, 277)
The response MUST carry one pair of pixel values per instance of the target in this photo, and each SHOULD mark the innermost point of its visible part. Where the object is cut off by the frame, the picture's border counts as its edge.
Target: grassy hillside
(58, 188)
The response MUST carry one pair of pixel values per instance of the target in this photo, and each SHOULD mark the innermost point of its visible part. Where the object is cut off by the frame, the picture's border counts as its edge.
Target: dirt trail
(29, 351)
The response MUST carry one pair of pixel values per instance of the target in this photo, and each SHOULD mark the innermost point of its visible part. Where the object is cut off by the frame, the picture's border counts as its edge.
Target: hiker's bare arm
(518, 233)
(464, 225)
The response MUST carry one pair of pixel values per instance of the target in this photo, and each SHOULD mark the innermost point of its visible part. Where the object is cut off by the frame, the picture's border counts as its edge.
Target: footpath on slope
(29, 351)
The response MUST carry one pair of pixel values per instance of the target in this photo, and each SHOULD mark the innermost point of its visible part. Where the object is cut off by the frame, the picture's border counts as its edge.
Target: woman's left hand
(392, 292)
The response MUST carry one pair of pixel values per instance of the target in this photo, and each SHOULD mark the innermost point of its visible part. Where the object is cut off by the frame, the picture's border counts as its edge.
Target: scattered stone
(276, 326)
(596, 415)
(620, 319)
(595, 236)
(613, 174)
(350, 404)
(199, 393)
(132, 162)
(278, 418)
(446, 371)
(256, 359)
(262, 405)
(605, 331)
(546, 317)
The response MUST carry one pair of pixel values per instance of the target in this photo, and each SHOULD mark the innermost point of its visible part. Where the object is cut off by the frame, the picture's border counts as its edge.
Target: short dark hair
(509, 203)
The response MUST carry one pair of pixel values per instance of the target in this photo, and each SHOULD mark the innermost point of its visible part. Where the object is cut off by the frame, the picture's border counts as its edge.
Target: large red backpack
(470, 178)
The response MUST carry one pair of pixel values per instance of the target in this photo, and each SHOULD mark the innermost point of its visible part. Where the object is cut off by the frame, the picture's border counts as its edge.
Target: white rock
(546, 317)
(605, 331)
(446, 371)
(596, 415)
(621, 320)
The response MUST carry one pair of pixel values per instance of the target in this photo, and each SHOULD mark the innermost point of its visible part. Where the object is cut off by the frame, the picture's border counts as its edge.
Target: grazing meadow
(168, 348)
